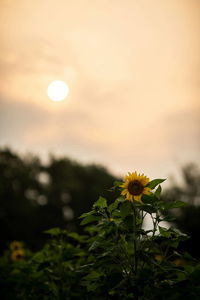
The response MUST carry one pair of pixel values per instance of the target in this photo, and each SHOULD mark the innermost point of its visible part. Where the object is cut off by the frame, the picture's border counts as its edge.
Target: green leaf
(92, 286)
(76, 236)
(173, 243)
(152, 184)
(101, 203)
(116, 213)
(138, 220)
(87, 214)
(174, 204)
(158, 192)
(149, 199)
(125, 209)
(90, 219)
(164, 232)
(128, 222)
(54, 288)
(168, 218)
(39, 257)
(117, 183)
(93, 275)
(148, 208)
(94, 245)
(113, 206)
(54, 231)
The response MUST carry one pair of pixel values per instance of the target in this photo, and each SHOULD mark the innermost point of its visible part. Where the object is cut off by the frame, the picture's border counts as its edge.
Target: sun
(57, 90)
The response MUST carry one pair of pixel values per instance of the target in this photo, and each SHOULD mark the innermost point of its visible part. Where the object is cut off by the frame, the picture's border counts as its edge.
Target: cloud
(132, 76)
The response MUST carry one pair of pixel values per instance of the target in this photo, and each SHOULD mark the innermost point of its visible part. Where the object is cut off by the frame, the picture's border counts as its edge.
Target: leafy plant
(125, 256)
(116, 258)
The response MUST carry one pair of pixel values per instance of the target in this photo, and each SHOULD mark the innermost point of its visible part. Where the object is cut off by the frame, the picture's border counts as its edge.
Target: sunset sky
(133, 72)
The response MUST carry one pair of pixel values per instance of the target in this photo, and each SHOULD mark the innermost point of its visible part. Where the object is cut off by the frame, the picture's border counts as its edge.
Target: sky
(133, 72)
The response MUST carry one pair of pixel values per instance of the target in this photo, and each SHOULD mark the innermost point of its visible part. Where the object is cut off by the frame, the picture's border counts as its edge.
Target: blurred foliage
(35, 196)
(114, 259)
(187, 219)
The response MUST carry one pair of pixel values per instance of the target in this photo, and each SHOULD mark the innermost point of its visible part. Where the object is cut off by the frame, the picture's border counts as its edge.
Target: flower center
(19, 256)
(135, 187)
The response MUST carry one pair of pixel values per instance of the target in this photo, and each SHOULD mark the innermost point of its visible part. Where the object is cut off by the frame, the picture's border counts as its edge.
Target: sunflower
(134, 186)
(179, 262)
(159, 257)
(17, 255)
(15, 245)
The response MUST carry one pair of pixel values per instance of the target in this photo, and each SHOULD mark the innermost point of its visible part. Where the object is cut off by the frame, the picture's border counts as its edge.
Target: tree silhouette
(35, 197)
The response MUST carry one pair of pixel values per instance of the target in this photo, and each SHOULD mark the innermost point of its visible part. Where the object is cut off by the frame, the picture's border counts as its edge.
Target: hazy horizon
(133, 71)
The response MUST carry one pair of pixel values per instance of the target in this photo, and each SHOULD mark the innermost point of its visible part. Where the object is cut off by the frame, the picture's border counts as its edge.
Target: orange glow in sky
(133, 68)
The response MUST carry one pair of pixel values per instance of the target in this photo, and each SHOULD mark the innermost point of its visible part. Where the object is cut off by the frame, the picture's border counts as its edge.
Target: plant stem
(154, 221)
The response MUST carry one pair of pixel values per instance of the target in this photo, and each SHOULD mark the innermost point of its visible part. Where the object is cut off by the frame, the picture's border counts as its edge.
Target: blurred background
(131, 71)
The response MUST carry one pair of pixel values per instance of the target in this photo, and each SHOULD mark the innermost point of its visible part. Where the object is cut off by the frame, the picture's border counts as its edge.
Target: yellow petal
(144, 180)
(124, 192)
(147, 191)
(129, 197)
(138, 198)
